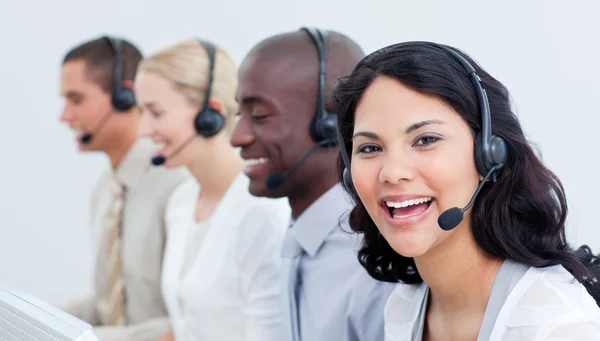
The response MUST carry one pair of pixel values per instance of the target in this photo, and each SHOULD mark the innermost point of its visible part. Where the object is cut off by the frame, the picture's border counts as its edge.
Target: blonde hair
(187, 65)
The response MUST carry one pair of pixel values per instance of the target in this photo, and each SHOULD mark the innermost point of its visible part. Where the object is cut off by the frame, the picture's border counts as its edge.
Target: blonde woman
(221, 271)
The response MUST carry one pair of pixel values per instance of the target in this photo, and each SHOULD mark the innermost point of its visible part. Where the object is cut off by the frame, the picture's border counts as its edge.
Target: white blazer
(546, 304)
(231, 291)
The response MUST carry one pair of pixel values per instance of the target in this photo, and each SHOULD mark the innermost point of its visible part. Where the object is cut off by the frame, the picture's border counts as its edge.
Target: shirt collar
(328, 212)
(135, 163)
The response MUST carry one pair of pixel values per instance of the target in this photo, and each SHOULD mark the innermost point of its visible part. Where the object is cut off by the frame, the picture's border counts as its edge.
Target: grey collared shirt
(148, 191)
(336, 298)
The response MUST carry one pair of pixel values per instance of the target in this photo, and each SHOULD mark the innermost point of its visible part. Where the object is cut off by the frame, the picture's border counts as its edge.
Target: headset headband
(211, 50)
(115, 44)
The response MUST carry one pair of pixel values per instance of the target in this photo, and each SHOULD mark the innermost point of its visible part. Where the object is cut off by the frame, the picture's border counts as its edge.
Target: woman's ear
(216, 104)
(128, 84)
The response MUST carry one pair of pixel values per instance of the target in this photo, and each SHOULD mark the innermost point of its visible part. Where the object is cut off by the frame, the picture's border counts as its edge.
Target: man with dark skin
(326, 295)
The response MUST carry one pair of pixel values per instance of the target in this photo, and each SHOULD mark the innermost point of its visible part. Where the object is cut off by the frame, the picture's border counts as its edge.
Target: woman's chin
(175, 162)
(410, 245)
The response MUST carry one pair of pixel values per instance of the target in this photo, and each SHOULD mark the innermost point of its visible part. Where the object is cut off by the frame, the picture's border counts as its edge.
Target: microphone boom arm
(472, 201)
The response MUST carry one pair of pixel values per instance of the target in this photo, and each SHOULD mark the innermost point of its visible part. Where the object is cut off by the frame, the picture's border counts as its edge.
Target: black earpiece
(209, 121)
(346, 176)
(490, 150)
(323, 124)
(348, 180)
(123, 98)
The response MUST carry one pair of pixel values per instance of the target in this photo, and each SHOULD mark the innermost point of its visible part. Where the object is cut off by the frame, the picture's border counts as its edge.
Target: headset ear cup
(209, 122)
(322, 129)
(123, 98)
(347, 178)
(498, 150)
(328, 128)
(479, 157)
(314, 133)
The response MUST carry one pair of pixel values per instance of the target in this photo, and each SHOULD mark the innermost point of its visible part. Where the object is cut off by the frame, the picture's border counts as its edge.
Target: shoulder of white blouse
(550, 294)
(403, 304)
(183, 198)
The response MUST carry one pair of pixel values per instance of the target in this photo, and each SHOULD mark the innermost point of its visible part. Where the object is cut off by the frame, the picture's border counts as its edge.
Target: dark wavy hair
(521, 217)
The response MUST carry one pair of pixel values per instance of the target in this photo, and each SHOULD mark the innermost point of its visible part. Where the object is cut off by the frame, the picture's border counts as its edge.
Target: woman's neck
(459, 273)
(460, 276)
(215, 175)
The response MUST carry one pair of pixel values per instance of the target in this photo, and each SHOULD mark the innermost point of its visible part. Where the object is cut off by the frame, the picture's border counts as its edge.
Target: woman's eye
(368, 149)
(426, 140)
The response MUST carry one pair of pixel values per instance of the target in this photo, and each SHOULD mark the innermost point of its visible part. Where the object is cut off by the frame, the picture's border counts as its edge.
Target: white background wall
(546, 52)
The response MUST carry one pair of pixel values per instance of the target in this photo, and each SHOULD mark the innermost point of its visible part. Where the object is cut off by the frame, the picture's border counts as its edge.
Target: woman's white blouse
(221, 277)
(546, 304)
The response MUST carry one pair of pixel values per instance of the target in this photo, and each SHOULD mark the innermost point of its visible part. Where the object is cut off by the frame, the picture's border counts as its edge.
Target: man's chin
(82, 147)
(259, 189)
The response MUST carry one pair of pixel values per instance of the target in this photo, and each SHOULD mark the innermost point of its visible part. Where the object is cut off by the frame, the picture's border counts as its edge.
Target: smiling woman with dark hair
(421, 136)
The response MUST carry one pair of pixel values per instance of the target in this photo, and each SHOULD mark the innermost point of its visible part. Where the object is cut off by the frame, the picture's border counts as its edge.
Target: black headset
(323, 125)
(490, 150)
(209, 121)
(122, 98)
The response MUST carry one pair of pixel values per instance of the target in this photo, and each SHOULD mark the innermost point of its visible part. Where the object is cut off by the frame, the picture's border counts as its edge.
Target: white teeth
(259, 161)
(406, 203)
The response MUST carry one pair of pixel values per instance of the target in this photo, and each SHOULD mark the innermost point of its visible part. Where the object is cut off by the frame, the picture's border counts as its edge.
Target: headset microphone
(324, 122)
(88, 137)
(158, 160)
(276, 179)
(490, 151)
(208, 121)
(323, 126)
(450, 218)
(122, 97)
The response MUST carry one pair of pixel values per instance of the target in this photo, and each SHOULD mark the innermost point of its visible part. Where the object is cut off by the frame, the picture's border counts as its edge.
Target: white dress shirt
(546, 304)
(148, 191)
(221, 277)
